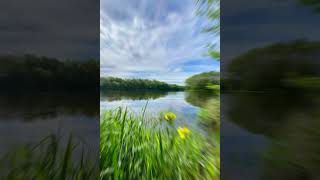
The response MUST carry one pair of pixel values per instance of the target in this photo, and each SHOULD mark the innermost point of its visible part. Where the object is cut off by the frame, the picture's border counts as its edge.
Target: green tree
(33, 73)
(203, 81)
(114, 83)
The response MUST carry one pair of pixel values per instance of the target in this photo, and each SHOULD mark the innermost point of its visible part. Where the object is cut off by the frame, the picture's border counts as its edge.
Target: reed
(139, 146)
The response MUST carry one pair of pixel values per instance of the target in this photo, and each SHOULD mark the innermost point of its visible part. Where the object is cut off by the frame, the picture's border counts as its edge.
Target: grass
(138, 146)
(48, 160)
(210, 113)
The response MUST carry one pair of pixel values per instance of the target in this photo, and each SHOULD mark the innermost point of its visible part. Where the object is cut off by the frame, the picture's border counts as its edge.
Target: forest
(113, 83)
(203, 81)
(283, 67)
(30, 73)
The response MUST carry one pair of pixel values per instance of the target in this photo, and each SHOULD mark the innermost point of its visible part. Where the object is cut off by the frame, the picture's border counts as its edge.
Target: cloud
(151, 37)
(60, 28)
(251, 24)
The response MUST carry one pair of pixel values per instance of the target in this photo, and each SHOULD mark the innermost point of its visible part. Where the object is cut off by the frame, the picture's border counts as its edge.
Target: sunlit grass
(144, 147)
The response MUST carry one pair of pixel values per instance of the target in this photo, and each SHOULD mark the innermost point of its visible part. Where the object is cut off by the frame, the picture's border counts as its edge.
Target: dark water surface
(270, 136)
(26, 119)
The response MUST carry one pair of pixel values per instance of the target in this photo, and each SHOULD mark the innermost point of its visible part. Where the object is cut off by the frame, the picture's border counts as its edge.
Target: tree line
(33, 73)
(203, 81)
(114, 83)
(282, 67)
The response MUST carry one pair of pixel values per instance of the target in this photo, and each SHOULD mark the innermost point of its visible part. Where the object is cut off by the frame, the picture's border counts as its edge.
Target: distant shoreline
(35, 74)
(119, 84)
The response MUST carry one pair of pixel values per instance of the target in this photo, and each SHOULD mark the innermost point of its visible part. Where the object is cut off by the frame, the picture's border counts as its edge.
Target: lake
(28, 118)
(270, 136)
(185, 105)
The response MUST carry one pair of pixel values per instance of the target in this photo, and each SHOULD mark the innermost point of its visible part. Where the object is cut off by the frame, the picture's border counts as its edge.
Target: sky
(160, 40)
(248, 24)
(64, 29)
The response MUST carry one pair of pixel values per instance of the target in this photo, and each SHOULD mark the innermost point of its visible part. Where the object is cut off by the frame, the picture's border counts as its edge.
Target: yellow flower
(183, 132)
(170, 116)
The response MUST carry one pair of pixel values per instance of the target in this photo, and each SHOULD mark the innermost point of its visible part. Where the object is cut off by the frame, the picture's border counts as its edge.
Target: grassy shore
(137, 146)
(48, 160)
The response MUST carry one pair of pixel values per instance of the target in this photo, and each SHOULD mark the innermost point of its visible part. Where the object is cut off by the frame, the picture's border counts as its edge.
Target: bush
(203, 81)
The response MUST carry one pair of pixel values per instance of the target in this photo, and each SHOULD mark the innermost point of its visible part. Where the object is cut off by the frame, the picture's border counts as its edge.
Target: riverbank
(114, 83)
(138, 145)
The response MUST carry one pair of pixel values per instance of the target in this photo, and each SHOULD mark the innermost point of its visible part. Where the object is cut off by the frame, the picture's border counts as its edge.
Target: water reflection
(200, 98)
(132, 95)
(186, 104)
(43, 106)
(26, 119)
(271, 113)
(278, 135)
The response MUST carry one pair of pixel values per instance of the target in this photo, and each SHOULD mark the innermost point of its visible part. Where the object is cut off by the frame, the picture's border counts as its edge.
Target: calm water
(185, 104)
(29, 118)
(267, 136)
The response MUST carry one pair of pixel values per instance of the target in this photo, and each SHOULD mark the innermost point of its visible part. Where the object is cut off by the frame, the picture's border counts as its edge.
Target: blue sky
(160, 40)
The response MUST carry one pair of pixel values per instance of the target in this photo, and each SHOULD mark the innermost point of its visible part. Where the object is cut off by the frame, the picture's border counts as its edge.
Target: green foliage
(214, 54)
(32, 73)
(209, 117)
(113, 83)
(288, 67)
(48, 160)
(203, 81)
(210, 113)
(144, 147)
(315, 4)
(295, 151)
(215, 88)
(211, 10)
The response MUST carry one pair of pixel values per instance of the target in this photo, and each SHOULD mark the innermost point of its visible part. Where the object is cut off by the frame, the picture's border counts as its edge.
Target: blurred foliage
(211, 10)
(114, 83)
(210, 113)
(215, 88)
(203, 81)
(48, 160)
(203, 90)
(284, 67)
(138, 146)
(315, 4)
(209, 118)
(295, 152)
(31, 73)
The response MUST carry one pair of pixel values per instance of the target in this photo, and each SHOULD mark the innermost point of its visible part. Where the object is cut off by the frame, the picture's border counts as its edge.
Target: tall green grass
(210, 113)
(138, 146)
(48, 160)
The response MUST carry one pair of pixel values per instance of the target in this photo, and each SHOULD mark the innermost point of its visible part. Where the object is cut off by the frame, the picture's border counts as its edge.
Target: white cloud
(149, 37)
